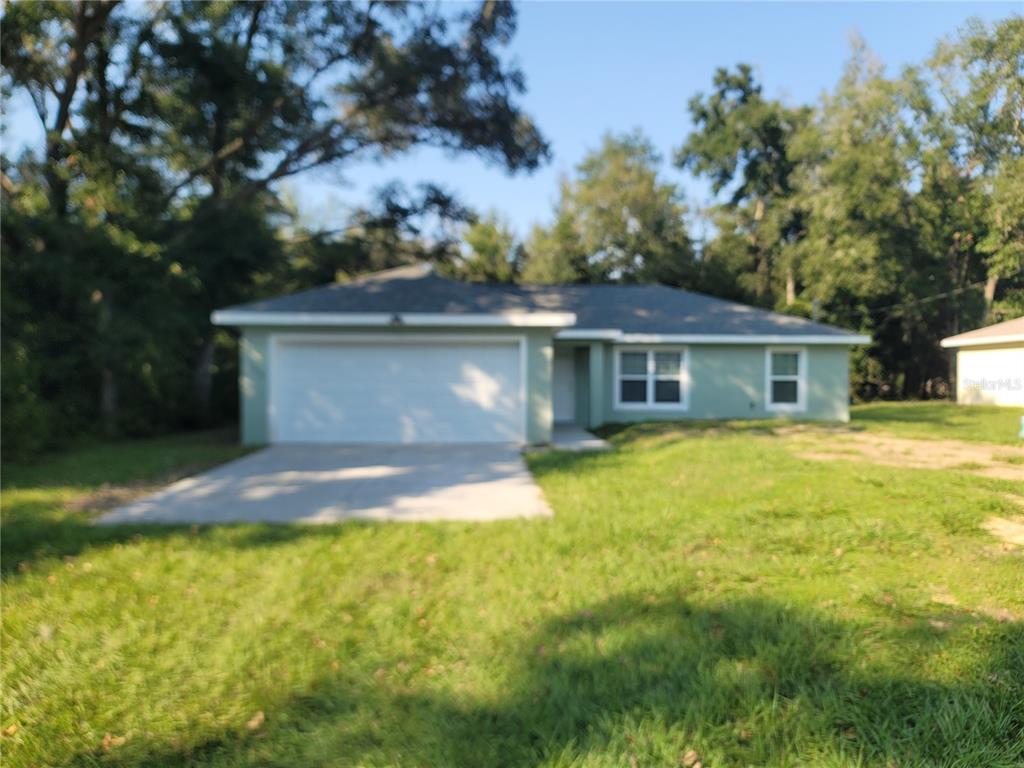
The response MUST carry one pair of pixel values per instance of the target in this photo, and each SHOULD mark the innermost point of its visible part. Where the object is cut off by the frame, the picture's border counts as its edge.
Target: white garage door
(408, 391)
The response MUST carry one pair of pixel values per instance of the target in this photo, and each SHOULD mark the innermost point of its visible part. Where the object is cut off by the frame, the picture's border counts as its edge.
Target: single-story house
(990, 364)
(406, 355)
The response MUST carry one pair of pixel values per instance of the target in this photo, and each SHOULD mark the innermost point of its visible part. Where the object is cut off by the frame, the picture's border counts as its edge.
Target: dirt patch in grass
(109, 496)
(839, 444)
(1010, 530)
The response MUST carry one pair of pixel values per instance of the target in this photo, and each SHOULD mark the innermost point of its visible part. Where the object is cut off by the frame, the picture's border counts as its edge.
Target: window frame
(800, 378)
(650, 377)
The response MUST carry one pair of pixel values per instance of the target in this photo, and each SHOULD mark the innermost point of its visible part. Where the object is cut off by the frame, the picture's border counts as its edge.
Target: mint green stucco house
(408, 356)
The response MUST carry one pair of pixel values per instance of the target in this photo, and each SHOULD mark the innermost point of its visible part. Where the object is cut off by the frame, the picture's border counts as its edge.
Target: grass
(942, 420)
(699, 590)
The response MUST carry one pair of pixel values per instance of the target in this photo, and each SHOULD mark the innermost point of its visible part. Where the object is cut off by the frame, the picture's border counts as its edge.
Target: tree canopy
(616, 220)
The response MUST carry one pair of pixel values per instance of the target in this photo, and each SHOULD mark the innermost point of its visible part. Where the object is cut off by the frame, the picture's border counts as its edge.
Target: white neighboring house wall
(990, 364)
(991, 375)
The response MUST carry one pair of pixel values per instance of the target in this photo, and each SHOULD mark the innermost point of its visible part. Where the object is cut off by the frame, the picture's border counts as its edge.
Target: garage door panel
(397, 392)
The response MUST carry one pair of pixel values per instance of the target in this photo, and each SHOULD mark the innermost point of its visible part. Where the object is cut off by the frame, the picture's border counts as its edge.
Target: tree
(979, 77)
(266, 91)
(1003, 244)
(398, 227)
(743, 145)
(616, 221)
(493, 254)
(861, 254)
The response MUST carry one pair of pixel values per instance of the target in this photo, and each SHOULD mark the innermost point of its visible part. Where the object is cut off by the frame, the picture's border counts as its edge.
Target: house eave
(981, 341)
(610, 334)
(231, 317)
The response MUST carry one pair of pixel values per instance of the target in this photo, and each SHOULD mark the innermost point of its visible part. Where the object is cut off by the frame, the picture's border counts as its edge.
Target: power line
(934, 297)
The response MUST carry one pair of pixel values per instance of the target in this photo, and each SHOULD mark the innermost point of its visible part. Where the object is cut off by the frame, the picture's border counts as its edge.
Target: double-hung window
(786, 379)
(651, 378)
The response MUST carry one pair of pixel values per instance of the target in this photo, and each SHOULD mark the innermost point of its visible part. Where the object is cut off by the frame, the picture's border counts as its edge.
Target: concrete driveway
(327, 484)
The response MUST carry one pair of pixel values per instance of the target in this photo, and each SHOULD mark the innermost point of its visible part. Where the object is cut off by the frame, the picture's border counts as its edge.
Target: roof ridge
(416, 268)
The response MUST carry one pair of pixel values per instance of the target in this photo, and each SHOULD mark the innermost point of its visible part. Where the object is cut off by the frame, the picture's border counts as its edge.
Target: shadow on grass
(766, 427)
(35, 531)
(640, 679)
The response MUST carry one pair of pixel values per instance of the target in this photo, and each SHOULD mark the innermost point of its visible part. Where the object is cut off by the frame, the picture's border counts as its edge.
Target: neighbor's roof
(417, 296)
(1000, 333)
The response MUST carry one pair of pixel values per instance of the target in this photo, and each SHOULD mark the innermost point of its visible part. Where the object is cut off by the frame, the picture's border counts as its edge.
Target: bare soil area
(1001, 462)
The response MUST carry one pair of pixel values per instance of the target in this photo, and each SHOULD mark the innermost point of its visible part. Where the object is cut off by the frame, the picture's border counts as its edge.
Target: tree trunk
(764, 279)
(790, 286)
(108, 400)
(204, 378)
(990, 292)
(108, 379)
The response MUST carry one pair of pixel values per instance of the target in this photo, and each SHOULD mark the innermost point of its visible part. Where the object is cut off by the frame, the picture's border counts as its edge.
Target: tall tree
(743, 145)
(627, 223)
(493, 255)
(862, 238)
(979, 80)
(266, 91)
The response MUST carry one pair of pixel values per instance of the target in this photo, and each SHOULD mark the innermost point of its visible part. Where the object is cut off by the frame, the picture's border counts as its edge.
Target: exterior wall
(254, 373)
(539, 359)
(253, 386)
(728, 382)
(992, 375)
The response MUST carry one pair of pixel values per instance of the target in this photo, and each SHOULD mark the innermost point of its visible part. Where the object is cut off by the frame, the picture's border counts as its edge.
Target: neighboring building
(990, 364)
(407, 356)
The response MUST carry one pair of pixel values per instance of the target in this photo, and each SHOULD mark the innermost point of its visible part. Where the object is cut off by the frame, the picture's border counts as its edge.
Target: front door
(563, 386)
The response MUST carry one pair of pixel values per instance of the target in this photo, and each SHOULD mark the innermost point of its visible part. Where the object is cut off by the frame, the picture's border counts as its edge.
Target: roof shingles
(640, 309)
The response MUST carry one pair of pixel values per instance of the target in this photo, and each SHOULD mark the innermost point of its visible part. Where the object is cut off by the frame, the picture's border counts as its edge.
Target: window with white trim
(651, 378)
(786, 379)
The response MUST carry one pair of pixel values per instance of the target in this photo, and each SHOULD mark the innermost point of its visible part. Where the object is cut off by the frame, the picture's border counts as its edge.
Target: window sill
(786, 408)
(650, 406)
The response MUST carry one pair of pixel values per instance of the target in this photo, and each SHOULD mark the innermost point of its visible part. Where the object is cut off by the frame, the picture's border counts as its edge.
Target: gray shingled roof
(629, 308)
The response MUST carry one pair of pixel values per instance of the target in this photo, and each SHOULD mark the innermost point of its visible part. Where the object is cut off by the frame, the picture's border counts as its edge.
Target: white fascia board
(981, 341)
(589, 334)
(601, 334)
(396, 319)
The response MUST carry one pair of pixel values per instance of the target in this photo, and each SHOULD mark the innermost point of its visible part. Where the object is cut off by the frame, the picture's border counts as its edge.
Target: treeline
(895, 206)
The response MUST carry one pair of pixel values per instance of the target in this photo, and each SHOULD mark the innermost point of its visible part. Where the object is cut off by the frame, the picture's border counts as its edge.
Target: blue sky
(615, 66)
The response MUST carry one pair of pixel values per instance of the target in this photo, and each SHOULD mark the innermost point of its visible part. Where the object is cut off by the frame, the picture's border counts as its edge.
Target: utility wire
(927, 299)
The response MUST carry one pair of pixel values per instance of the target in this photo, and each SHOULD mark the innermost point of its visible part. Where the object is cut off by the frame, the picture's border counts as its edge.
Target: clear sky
(615, 66)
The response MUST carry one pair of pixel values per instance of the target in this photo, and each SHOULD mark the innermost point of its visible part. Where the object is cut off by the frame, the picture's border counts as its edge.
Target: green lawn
(696, 589)
(941, 420)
